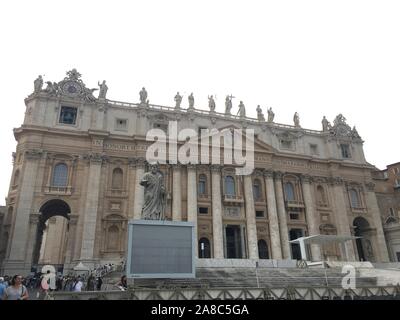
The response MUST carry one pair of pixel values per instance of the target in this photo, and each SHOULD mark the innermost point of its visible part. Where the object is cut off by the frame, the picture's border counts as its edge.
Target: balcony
(323, 205)
(294, 204)
(66, 191)
(117, 193)
(228, 198)
(203, 197)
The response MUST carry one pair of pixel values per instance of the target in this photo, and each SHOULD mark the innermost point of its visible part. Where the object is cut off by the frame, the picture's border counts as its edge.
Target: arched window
(117, 179)
(354, 199)
(257, 189)
(204, 248)
(321, 195)
(113, 237)
(16, 178)
(60, 175)
(289, 191)
(230, 186)
(263, 249)
(202, 188)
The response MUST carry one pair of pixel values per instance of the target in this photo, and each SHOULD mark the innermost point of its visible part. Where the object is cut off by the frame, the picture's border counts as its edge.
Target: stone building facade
(81, 158)
(388, 194)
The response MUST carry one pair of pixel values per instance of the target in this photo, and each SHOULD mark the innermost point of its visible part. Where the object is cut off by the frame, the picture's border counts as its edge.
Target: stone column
(91, 206)
(176, 193)
(342, 220)
(217, 212)
(15, 262)
(273, 221)
(311, 216)
(283, 229)
(32, 239)
(373, 209)
(69, 253)
(131, 181)
(139, 190)
(250, 218)
(192, 201)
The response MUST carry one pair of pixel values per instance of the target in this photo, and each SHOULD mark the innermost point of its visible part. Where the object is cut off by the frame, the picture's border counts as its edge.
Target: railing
(213, 114)
(232, 198)
(294, 203)
(117, 193)
(58, 190)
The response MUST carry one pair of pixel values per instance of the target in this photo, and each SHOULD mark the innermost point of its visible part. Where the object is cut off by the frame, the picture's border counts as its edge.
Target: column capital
(176, 166)
(216, 168)
(335, 181)
(73, 219)
(268, 174)
(370, 186)
(34, 218)
(278, 174)
(140, 162)
(33, 154)
(258, 172)
(191, 166)
(305, 178)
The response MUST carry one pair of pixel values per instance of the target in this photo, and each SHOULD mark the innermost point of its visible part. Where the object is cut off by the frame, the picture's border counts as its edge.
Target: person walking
(2, 287)
(16, 290)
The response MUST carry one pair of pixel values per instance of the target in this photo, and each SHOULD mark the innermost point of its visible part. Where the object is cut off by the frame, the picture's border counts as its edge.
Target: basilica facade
(80, 158)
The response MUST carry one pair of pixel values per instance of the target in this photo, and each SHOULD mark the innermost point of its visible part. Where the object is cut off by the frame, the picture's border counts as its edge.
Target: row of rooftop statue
(53, 87)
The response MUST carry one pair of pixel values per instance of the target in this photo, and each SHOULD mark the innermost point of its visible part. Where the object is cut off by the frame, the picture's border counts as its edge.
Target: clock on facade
(71, 88)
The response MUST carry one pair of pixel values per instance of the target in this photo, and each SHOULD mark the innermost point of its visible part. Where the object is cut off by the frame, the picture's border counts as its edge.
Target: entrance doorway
(364, 246)
(52, 233)
(233, 236)
(295, 247)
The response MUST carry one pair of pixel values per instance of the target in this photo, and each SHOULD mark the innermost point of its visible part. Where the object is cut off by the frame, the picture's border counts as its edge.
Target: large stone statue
(103, 89)
(38, 84)
(211, 103)
(242, 110)
(154, 194)
(143, 96)
(191, 101)
(51, 88)
(260, 114)
(326, 126)
(271, 115)
(228, 104)
(296, 120)
(178, 100)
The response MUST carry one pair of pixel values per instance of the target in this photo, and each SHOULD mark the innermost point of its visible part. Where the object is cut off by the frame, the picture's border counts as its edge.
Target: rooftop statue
(103, 89)
(242, 110)
(178, 100)
(228, 104)
(326, 126)
(211, 103)
(51, 88)
(38, 84)
(271, 115)
(143, 96)
(296, 119)
(154, 194)
(191, 101)
(260, 114)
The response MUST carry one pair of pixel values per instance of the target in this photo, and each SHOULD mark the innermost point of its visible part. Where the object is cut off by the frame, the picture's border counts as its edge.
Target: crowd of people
(18, 287)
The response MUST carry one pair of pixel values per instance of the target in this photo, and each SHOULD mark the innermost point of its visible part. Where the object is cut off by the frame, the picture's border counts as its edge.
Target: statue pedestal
(160, 249)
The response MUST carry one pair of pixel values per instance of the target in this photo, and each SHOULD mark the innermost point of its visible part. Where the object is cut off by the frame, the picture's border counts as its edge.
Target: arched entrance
(52, 233)
(364, 245)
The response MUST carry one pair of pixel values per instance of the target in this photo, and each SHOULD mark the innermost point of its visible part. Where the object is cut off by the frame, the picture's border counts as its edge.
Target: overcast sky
(314, 57)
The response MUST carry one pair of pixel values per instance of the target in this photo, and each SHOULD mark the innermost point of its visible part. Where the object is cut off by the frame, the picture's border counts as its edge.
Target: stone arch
(262, 249)
(364, 244)
(51, 208)
(204, 248)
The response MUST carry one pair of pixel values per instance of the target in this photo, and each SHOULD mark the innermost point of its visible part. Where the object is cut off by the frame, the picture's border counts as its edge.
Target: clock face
(71, 88)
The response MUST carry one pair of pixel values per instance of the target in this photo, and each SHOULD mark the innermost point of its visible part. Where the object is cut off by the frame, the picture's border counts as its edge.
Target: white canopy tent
(321, 239)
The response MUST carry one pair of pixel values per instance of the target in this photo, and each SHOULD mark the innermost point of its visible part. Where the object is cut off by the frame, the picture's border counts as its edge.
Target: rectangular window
(314, 149)
(345, 148)
(121, 124)
(259, 214)
(68, 115)
(286, 144)
(203, 210)
(294, 216)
